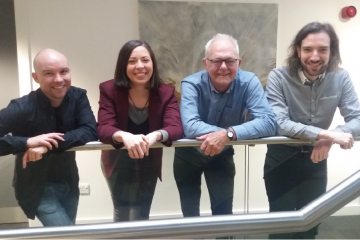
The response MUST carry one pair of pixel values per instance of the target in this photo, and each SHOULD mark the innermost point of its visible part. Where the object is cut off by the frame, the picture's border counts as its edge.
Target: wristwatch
(230, 134)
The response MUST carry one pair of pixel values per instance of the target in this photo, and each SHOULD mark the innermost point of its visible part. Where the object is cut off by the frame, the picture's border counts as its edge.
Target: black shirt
(59, 168)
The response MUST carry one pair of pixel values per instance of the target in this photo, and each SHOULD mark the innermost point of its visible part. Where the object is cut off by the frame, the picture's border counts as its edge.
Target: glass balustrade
(250, 205)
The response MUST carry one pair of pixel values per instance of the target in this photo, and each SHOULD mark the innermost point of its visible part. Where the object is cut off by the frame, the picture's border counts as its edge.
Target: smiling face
(52, 73)
(222, 76)
(140, 67)
(314, 54)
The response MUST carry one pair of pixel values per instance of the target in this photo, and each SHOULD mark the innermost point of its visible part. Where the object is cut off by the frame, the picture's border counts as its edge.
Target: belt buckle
(304, 150)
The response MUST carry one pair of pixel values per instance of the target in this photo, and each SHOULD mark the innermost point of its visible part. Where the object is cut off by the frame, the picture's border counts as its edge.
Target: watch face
(230, 134)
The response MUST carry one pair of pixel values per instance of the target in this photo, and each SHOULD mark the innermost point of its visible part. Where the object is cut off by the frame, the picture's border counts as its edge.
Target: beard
(311, 72)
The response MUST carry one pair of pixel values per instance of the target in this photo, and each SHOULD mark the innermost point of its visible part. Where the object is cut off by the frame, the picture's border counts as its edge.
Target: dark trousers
(219, 172)
(131, 192)
(292, 181)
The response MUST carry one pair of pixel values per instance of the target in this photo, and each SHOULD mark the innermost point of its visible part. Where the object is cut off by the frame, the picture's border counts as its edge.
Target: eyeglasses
(216, 62)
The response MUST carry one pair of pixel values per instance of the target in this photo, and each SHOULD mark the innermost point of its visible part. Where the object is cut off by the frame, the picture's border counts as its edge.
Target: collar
(212, 88)
(305, 80)
(44, 100)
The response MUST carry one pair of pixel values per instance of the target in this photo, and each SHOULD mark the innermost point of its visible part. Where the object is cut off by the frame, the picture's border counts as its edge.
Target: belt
(306, 148)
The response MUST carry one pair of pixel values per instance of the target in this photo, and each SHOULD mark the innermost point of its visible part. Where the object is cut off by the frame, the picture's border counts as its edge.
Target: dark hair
(293, 61)
(121, 79)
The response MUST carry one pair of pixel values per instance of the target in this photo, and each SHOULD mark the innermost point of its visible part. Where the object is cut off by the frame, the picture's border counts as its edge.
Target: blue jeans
(58, 205)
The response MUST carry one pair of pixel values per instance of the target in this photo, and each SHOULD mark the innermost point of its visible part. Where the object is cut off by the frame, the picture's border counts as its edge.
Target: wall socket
(84, 188)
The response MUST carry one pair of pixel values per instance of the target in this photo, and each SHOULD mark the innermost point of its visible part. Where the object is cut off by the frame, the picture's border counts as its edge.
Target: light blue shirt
(204, 110)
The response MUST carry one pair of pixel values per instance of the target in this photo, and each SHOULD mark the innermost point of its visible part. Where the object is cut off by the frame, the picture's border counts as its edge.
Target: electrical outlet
(84, 188)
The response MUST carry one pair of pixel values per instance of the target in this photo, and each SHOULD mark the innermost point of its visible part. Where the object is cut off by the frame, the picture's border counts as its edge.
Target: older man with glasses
(212, 110)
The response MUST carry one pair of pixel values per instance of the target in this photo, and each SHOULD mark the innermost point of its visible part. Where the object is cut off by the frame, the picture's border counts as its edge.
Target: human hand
(321, 150)
(345, 140)
(213, 142)
(152, 138)
(45, 140)
(137, 145)
(34, 154)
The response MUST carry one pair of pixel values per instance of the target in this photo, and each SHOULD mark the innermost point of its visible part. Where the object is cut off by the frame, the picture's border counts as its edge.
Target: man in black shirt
(39, 128)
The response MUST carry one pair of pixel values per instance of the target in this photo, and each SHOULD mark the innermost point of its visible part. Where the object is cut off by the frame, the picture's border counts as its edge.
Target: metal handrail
(192, 142)
(210, 226)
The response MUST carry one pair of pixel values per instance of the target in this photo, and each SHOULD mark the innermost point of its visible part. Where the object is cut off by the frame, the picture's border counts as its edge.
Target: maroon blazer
(114, 113)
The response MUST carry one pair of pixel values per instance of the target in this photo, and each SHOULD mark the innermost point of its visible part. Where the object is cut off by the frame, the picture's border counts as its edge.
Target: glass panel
(97, 206)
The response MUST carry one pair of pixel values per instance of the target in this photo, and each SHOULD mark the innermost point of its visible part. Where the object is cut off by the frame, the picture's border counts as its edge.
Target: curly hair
(293, 60)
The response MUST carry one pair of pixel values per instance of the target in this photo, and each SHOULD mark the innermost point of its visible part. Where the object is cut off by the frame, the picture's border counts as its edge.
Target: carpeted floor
(343, 227)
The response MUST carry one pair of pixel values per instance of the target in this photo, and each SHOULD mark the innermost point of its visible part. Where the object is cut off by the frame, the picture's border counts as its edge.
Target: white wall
(9, 209)
(90, 34)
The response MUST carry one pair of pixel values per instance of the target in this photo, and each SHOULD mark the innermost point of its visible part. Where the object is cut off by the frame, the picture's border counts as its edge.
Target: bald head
(52, 73)
(46, 55)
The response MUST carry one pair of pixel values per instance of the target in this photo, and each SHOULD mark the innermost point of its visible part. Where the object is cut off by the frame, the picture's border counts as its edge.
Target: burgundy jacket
(114, 113)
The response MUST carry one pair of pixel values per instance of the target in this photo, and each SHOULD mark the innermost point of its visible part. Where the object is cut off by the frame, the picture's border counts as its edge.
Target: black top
(59, 168)
(33, 115)
(142, 128)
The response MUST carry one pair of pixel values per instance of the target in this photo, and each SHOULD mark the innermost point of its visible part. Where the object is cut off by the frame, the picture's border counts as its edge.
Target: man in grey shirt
(304, 96)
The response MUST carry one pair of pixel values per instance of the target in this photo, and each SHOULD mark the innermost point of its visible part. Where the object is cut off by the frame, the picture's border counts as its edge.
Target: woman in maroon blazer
(136, 110)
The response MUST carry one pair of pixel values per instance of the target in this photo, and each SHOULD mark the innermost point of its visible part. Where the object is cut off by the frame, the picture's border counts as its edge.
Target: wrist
(159, 136)
(28, 142)
(326, 135)
(44, 149)
(230, 134)
(118, 136)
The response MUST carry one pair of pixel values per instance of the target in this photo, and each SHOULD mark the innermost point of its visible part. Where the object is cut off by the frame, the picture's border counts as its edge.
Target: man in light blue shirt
(213, 102)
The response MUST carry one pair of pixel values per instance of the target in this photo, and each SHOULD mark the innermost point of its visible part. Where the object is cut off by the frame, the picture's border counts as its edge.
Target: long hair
(121, 79)
(293, 60)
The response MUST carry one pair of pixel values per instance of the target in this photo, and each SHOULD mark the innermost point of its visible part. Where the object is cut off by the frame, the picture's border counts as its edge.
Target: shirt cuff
(20, 144)
(165, 135)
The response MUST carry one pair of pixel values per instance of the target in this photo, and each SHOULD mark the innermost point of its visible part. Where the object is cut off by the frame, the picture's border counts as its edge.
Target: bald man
(39, 128)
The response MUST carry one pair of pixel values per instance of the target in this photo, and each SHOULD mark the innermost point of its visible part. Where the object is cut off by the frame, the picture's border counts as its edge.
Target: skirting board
(12, 215)
(345, 211)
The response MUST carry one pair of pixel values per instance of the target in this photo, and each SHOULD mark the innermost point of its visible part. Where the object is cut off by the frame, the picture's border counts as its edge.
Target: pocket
(328, 97)
(277, 154)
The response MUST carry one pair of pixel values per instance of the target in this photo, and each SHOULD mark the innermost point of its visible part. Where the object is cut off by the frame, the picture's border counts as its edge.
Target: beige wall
(90, 34)
(9, 209)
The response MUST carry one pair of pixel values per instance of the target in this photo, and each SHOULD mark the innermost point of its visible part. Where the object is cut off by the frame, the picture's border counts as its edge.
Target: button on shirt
(303, 111)
(204, 110)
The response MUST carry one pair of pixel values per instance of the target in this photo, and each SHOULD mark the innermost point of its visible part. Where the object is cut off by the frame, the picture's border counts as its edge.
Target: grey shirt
(303, 111)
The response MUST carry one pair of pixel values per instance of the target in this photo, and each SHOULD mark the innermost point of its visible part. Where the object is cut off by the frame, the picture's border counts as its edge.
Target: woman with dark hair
(135, 110)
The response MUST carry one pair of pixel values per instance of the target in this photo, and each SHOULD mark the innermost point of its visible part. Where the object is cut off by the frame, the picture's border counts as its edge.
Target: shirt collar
(227, 91)
(305, 80)
(44, 100)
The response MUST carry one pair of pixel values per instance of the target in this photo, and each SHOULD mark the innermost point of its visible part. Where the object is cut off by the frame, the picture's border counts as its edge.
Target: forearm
(119, 136)
(12, 145)
(353, 127)
(197, 128)
(256, 128)
(293, 129)
(77, 137)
